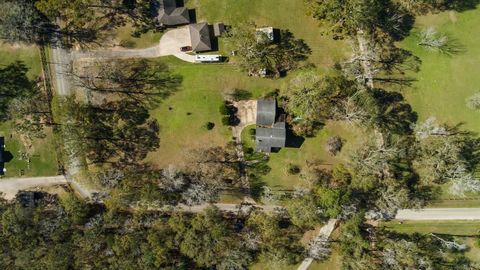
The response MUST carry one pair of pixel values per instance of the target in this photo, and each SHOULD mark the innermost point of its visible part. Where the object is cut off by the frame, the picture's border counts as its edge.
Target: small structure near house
(265, 32)
(200, 37)
(207, 58)
(271, 133)
(169, 14)
(218, 29)
(2, 156)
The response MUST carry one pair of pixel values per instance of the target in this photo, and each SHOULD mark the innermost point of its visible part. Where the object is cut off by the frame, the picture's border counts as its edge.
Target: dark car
(186, 48)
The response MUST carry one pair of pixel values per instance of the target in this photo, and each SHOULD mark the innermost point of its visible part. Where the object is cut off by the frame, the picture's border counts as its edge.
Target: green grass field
(466, 232)
(281, 14)
(312, 151)
(123, 36)
(183, 115)
(42, 154)
(444, 82)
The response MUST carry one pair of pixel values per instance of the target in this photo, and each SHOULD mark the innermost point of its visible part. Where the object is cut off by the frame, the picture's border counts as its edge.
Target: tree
(446, 154)
(256, 53)
(473, 102)
(140, 81)
(431, 39)
(31, 114)
(314, 99)
(20, 21)
(347, 16)
(15, 84)
(204, 238)
(276, 244)
(304, 211)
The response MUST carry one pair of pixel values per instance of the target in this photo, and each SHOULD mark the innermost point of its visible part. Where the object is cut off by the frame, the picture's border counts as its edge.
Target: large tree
(255, 52)
(14, 83)
(20, 21)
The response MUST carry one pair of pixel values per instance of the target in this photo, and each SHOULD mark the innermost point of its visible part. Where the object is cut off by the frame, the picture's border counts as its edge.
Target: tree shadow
(395, 115)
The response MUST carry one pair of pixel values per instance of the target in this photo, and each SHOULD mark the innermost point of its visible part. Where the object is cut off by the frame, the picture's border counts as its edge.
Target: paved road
(11, 186)
(439, 214)
(324, 233)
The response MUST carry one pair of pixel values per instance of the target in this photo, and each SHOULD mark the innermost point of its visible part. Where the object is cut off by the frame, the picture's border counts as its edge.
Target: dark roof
(218, 29)
(167, 13)
(266, 109)
(268, 138)
(200, 36)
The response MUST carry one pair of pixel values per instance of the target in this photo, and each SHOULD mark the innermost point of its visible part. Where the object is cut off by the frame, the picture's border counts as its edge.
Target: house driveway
(169, 44)
(246, 113)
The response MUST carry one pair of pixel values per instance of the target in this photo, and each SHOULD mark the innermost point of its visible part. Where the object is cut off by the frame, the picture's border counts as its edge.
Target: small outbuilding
(200, 37)
(218, 29)
(267, 32)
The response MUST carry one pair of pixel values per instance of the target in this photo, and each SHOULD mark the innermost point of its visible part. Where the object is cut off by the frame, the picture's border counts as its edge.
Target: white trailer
(207, 58)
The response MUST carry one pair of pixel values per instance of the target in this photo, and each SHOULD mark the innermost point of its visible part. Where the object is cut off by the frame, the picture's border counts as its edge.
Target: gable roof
(200, 37)
(268, 138)
(169, 14)
(266, 110)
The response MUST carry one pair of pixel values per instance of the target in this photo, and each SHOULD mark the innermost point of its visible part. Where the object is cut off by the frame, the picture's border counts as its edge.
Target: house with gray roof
(271, 132)
(168, 13)
(200, 37)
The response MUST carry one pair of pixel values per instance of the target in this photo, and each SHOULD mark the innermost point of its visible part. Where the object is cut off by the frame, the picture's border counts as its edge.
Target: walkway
(324, 233)
(11, 186)
(169, 44)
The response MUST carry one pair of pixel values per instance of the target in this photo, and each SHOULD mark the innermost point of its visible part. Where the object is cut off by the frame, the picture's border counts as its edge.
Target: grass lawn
(282, 14)
(182, 116)
(312, 150)
(459, 228)
(42, 154)
(444, 82)
(466, 232)
(123, 36)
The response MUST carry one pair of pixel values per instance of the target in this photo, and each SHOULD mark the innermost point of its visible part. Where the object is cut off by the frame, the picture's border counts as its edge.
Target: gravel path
(11, 186)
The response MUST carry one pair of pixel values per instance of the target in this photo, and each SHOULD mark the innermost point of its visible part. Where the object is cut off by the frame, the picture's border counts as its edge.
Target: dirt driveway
(169, 44)
(247, 113)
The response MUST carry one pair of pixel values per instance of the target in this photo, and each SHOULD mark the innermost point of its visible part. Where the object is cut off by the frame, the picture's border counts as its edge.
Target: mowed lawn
(42, 154)
(183, 115)
(313, 151)
(444, 82)
(466, 232)
(281, 14)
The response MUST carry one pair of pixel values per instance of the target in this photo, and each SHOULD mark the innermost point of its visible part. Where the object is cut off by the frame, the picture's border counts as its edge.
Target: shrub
(334, 145)
(223, 109)
(240, 94)
(226, 120)
(293, 169)
(209, 125)
(473, 102)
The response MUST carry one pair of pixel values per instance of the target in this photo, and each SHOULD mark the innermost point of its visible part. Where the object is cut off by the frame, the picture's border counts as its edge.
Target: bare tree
(319, 248)
(473, 102)
(452, 245)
